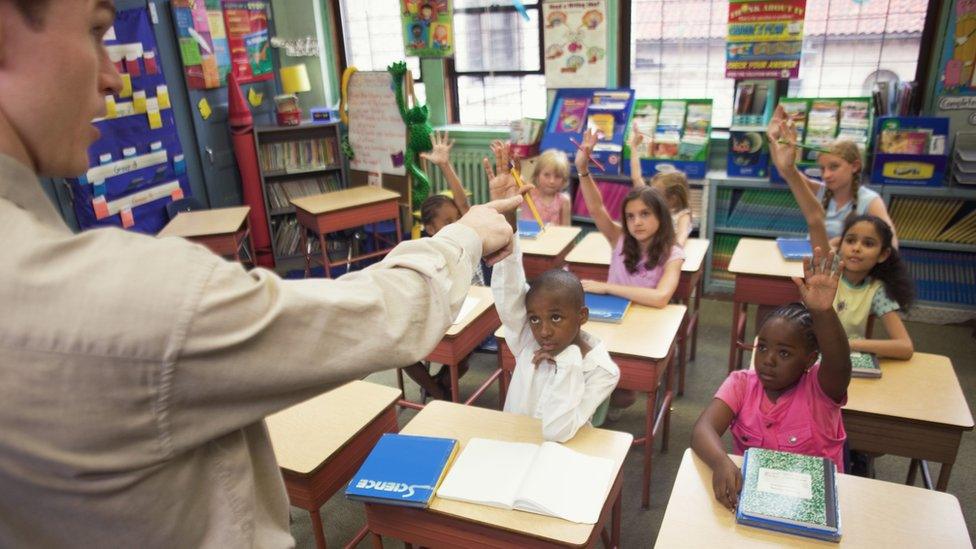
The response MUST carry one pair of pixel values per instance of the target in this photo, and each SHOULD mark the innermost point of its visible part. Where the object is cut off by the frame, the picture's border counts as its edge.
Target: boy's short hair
(558, 281)
(433, 204)
(554, 160)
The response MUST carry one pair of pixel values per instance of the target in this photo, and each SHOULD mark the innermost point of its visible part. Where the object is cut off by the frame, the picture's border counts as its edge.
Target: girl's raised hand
(501, 184)
(820, 279)
(636, 138)
(585, 149)
(502, 150)
(440, 154)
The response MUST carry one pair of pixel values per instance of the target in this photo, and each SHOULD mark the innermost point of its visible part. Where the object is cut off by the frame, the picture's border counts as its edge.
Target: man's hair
(32, 11)
(558, 281)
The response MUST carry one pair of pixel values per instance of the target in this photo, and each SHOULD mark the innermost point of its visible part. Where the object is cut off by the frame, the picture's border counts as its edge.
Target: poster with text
(575, 42)
(246, 25)
(202, 41)
(377, 133)
(427, 30)
(765, 39)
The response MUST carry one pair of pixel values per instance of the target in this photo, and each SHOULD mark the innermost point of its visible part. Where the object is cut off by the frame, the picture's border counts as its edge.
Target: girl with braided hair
(843, 193)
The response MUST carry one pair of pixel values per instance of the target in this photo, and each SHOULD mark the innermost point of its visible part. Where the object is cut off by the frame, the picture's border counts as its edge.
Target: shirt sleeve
(881, 304)
(255, 344)
(733, 390)
(508, 287)
(677, 252)
(571, 397)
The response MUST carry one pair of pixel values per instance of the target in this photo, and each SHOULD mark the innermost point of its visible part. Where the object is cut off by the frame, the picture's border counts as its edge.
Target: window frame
(451, 73)
(340, 43)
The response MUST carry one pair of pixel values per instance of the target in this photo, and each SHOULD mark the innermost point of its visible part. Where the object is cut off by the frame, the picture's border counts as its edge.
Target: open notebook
(548, 479)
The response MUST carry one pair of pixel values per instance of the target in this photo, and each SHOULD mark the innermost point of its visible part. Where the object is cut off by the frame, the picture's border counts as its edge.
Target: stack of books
(722, 250)
(789, 493)
(280, 193)
(299, 155)
(933, 219)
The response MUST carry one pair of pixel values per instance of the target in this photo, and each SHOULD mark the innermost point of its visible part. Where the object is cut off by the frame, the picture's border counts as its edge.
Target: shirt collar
(20, 185)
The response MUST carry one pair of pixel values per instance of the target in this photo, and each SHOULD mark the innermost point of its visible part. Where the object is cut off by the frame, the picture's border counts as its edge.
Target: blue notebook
(403, 470)
(606, 308)
(794, 249)
(528, 228)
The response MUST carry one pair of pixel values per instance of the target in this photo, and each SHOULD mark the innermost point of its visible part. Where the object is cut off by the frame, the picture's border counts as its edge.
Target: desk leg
(739, 316)
(303, 242)
(694, 334)
(943, 483)
(682, 347)
(455, 389)
(648, 448)
(615, 522)
(325, 255)
(377, 541)
(317, 529)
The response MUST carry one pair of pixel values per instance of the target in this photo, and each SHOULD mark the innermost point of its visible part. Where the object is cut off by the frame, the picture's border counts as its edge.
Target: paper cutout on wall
(427, 30)
(204, 107)
(246, 25)
(203, 45)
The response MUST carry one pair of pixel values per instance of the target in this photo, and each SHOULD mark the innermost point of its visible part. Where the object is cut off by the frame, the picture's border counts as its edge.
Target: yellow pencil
(528, 197)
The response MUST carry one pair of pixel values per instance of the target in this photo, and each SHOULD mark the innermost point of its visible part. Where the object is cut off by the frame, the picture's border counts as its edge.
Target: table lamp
(294, 80)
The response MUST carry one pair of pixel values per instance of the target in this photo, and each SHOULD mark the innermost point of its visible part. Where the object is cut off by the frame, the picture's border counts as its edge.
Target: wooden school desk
(461, 340)
(548, 250)
(916, 409)
(329, 212)
(458, 524)
(643, 348)
(321, 442)
(224, 230)
(590, 259)
(762, 277)
(873, 514)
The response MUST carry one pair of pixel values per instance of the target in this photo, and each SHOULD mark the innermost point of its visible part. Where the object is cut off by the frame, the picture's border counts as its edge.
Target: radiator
(467, 164)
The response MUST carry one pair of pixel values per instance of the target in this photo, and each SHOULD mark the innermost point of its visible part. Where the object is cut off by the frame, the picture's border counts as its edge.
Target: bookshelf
(296, 161)
(936, 227)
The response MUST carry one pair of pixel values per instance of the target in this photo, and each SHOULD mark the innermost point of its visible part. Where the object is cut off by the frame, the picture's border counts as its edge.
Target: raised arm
(636, 139)
(610, 229)
(818, 288)
(440, 156)
(706, 441)
(782, 149)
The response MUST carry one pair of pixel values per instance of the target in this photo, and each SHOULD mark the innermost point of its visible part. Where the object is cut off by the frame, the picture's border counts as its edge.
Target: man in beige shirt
(134, 372)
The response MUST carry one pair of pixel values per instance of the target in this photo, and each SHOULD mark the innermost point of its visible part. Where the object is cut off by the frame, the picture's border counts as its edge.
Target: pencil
(802, 146)
(593, 160)
(528, 197)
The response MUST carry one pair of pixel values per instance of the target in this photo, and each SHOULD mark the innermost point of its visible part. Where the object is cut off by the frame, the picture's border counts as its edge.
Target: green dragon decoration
(418, 135)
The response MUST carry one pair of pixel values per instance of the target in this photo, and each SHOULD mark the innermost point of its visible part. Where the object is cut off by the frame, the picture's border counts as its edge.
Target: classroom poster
(136, 167)
(575, 42)
(427, 29)
(377, 133)
(955, 89)
(246, 26)
(203, 42)
(765, 39)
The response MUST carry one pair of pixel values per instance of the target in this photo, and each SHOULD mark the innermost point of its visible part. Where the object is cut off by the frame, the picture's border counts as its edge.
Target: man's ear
(584, 315)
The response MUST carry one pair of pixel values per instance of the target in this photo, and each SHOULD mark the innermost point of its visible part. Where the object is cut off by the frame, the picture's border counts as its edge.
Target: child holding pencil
(550, 178)
(790, 401)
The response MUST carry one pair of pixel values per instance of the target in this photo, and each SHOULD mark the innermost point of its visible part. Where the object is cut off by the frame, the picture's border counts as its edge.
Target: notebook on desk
(606, 308)
(403, 470)
(794, 249)
(789, 493)
(547, 479)
(865, 365)
(528, 229)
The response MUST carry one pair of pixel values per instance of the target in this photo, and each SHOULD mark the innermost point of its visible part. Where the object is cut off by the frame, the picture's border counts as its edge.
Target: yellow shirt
(854, 304)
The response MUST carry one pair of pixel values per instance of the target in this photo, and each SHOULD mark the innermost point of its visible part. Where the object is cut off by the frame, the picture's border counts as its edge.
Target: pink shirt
(642, 277)
(803, 420)
(550, 212)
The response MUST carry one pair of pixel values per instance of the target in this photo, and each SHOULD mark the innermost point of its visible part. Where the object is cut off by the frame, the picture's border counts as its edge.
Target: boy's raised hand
(820, 279)
(781, 129)
(502, 150)
(440, 154)
(501, 184)
(585, 150)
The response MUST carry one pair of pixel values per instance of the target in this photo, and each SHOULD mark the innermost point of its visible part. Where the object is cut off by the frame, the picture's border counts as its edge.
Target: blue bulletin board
(136, 167)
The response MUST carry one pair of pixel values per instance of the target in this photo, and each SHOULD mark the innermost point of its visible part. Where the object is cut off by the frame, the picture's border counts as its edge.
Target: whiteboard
(376, 131)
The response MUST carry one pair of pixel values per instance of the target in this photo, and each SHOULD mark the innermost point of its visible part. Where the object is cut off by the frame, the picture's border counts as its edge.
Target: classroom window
(678, 48)
(497, 65)
(373, 38)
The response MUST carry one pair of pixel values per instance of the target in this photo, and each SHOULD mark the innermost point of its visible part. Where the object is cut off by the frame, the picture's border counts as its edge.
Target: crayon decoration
(132, 66)
(149, 60)
(126, 90)
(162, 96)
(155, 119)
(139, 101)
(528, 198)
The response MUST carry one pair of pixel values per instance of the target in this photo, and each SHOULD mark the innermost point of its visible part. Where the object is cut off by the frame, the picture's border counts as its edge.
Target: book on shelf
(547, 479)
(865, 365)
(403, 470)
(572, 114)
(905, 141)
(789, 493)
(299, 155)
(645, 119)
(606, 308)
(794, 249)
(281, 193)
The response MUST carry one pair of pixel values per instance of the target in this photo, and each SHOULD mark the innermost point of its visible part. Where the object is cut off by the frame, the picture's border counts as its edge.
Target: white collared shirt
(564, 394)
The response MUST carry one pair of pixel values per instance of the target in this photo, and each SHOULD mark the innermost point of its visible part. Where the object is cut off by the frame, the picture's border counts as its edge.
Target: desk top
(340, 200)
(595, 250)
(755, 256)
(645, 332)
(924, 388)
(550, 242)
(451, 420)
(485, 300)
(206, 222)
(307, 434)
(873, 514)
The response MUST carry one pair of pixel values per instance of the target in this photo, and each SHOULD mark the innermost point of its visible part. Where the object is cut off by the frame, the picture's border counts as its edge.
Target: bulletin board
(575, 41)
(136, 167)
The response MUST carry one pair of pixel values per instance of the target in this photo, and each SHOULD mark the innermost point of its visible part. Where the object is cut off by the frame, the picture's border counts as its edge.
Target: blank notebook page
(567, 484)
(488, 472)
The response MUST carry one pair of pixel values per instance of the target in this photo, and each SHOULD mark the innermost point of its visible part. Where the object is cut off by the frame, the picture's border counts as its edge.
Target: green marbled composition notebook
(789, 493)
(864, 365)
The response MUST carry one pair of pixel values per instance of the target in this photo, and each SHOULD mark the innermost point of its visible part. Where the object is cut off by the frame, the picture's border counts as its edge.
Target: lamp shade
(294, 79)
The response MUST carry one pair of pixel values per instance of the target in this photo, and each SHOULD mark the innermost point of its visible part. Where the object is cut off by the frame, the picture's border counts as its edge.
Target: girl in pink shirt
(789, 402)
(551, 176)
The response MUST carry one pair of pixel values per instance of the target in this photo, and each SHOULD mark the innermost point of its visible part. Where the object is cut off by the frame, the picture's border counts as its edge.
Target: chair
(187, 204)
